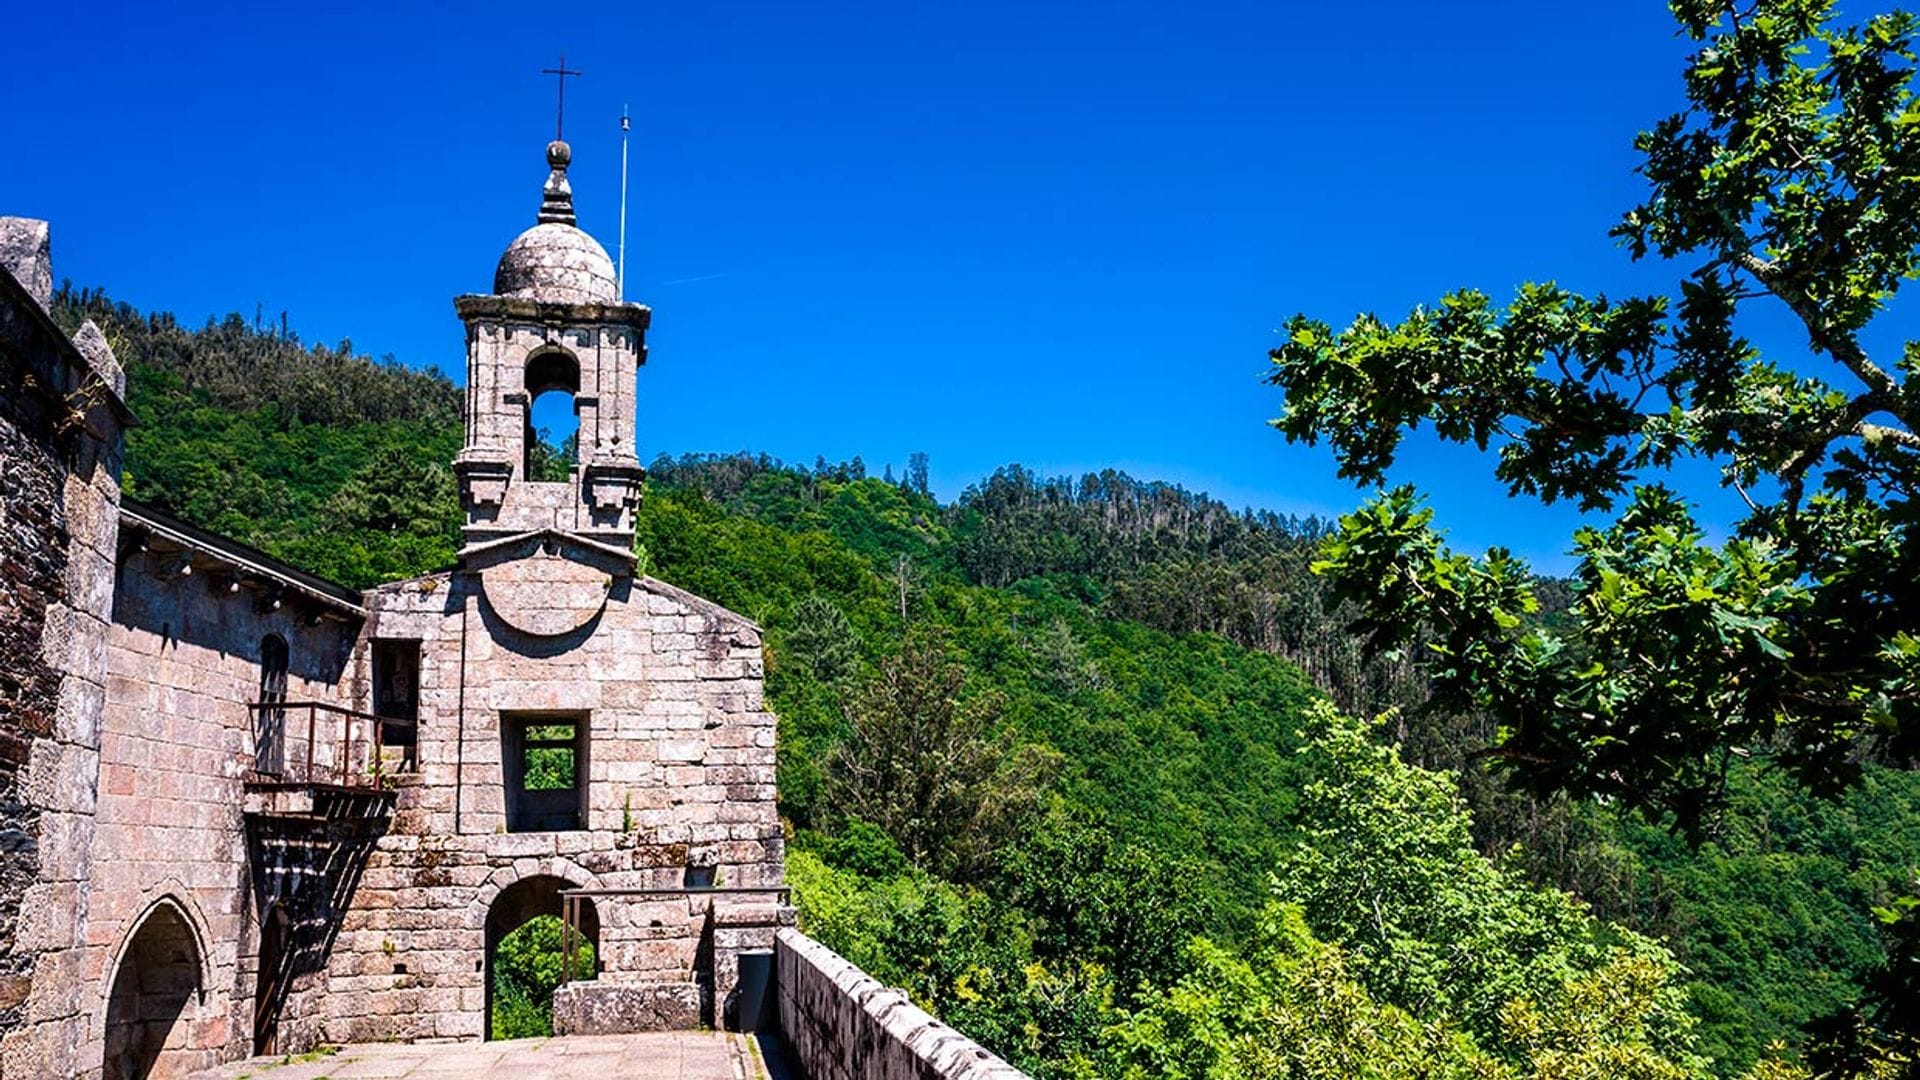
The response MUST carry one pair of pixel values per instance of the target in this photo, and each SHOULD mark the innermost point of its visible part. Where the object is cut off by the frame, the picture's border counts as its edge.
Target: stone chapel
(247, 810)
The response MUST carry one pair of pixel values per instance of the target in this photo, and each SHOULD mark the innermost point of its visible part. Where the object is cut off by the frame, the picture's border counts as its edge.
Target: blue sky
(1058, 234)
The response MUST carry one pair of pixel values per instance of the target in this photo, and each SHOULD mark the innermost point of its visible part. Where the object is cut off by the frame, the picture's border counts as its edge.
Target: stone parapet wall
(611, 1007)
(703, 994)
(839, 1023)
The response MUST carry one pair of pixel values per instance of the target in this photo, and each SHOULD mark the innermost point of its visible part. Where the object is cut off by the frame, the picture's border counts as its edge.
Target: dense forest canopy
(1144, 848)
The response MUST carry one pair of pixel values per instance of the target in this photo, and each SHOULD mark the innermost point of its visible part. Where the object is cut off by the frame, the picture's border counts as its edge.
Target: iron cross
(560, 111)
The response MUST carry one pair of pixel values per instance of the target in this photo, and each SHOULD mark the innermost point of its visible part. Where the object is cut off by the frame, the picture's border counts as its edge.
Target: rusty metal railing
(340, 766)
(571, 899)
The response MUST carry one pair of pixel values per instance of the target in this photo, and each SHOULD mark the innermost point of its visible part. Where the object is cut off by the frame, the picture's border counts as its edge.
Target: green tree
(1791, 178)
(1292, 1007)
(526, 969)
(394, 517)
(1387, 866)
(547, 463)
(1391, 948)
(1063, 660)
(1095, 899)
(1879, 1039)
(821, 639)
(916, 478)
(925, 763)
(1288, 1009)
(396, 492)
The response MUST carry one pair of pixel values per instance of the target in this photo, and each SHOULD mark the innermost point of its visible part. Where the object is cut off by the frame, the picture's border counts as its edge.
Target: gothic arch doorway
(149, 1009)
(523, 961)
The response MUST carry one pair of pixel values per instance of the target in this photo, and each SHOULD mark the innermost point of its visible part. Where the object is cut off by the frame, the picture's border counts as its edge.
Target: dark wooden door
(270, 983)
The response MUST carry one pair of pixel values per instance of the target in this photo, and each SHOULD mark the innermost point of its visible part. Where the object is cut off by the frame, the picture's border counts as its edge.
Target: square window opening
(545, 758)
(396, 695)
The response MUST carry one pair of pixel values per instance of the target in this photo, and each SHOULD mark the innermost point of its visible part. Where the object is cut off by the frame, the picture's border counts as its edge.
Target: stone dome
(554, 261)
(557, 263)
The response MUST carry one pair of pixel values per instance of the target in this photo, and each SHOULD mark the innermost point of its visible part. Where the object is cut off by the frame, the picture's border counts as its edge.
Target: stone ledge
(604, 1007)
(547, 312)
(839, 1023)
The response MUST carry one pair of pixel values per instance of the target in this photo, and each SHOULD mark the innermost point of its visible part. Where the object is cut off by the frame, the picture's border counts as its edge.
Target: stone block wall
(183, 663)
(33, 569)
(679, 772)
(838, 1023)
(61, 419)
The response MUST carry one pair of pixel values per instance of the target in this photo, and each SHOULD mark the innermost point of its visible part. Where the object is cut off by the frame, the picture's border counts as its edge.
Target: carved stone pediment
(547, 584)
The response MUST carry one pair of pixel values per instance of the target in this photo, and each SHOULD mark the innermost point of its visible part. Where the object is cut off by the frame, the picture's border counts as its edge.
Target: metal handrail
(570, 899)
(344, 773)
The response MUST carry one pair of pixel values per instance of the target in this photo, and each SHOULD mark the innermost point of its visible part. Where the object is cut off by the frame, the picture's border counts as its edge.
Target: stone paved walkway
(671, 1055)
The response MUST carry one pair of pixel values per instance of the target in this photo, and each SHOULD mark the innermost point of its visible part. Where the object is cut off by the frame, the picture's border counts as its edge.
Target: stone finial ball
(559, 154)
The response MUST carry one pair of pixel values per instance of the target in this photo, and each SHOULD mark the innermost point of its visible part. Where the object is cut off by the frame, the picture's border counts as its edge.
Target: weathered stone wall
(33, 569)
(680, 767)
(61, 419)
(183, 663)
(840, 1024)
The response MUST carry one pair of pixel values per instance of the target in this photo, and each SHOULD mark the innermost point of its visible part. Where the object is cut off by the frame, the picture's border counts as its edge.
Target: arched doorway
(270, 978)
(523, 955)
(149, 1009)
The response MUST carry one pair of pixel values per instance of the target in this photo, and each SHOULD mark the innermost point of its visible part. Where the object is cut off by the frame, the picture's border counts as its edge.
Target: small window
(396, 695)
(545, 766)
(270, 712)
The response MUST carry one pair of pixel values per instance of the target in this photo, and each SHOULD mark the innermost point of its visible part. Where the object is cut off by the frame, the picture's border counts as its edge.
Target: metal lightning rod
(620, 274)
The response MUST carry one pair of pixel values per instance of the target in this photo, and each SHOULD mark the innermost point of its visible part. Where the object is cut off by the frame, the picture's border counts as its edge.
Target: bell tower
(554, 321)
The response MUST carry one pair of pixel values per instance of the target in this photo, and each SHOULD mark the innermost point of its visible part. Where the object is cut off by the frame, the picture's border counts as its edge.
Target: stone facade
(679, 775)
(544, 640)
(61, 419)
(178, 749)
(246, 809)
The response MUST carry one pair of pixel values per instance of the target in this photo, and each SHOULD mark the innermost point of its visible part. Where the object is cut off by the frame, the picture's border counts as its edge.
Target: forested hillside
(1055, 759)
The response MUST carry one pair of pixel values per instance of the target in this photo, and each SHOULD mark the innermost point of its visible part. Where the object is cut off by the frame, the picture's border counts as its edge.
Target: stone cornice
(478, 306)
